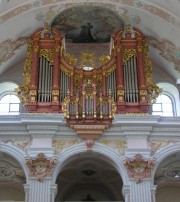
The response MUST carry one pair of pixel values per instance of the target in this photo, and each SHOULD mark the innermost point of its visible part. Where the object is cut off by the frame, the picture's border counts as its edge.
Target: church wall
(33, 134)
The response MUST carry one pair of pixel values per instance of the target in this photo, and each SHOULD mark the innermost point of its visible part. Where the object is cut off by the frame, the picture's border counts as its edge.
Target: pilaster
(140, 192)
(40, 190)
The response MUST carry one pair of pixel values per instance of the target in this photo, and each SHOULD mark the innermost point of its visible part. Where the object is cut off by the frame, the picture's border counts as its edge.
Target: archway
(167, 174)
(12, 179)
(95, 175)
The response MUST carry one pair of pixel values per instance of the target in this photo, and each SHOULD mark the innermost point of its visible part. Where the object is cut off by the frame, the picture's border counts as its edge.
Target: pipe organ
(121, 84)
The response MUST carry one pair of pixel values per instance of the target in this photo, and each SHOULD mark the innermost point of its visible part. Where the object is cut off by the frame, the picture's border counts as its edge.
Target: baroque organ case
(121, 82)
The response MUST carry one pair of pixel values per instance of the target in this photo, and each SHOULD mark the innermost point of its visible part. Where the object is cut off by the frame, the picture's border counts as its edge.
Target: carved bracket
(138, 168)
(40, 166)
(89, 133)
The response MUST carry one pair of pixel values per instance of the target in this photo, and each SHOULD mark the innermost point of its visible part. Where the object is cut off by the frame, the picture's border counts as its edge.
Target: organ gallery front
(121, 83)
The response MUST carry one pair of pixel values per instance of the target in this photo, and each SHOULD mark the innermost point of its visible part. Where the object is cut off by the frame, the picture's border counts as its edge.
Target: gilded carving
(99, 82)
(117, 145)
(72, 60)
(103, 59)
(138, 168)
(33, 92)
(143, 95)
(55, 92)
(127, 54)
(152, 89)
(76, 81)
(48, 54)
(109, 71)
(120, 94)
(35, 49)
(23, 90)
(87, 59)
(41, 166)
(68, 73)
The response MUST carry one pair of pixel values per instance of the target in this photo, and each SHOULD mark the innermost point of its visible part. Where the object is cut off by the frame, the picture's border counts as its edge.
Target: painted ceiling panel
(158, 20)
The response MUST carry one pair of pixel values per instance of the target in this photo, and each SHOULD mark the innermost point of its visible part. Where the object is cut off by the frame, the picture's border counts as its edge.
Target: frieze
(9, 46)
(118, 145)
(138, 168)
(113, 5)
(155, 145)
(21, 144)
(60, 145)
(167, 49)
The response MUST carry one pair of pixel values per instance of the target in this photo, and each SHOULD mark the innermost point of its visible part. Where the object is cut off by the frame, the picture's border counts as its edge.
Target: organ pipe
(45, 80)
(131, 80)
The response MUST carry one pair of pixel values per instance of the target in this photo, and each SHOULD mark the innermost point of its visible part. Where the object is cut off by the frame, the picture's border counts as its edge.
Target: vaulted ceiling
(158, 20)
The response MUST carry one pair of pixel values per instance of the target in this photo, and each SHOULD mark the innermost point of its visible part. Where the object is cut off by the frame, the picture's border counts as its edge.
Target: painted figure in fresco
(85, 35)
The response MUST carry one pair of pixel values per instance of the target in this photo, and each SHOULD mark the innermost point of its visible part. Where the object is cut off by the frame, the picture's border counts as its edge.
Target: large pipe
(40, 80)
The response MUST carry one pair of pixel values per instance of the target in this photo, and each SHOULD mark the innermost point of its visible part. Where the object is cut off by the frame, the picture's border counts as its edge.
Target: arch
(162, 154)
(171, 90)
(8, 87)
(18, 155)
(114, 158)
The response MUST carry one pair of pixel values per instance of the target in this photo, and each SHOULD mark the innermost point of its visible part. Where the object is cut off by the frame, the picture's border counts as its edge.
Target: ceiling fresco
(159, 21)
(88, 24)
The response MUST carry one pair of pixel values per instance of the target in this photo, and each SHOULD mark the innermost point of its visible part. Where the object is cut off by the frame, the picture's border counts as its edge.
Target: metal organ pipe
(64, 85)
(45, 80)
(111, 84)
(131, 81)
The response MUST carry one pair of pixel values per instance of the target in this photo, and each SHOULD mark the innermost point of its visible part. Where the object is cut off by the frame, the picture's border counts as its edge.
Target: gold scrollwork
(72, 60)
(23, 90)
(87, 59)
(99, 82)
(68, 73)
(109, 71)
(153, 90)
(55, 92)
(33, 92)
(113, 110)
(76, 82)
(120, 94)
(64, 107)
(103, 59)
(35, 49)
(48, 54)
(127, 54)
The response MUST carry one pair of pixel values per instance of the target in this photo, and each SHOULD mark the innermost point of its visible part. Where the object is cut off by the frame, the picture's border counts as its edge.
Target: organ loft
(88, 94)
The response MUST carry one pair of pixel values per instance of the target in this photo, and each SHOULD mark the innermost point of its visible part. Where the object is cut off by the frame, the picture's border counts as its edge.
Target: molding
(35, 151)
(130, 153)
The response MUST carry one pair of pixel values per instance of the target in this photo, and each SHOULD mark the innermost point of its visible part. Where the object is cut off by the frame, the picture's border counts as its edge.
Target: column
(35, 64)
(56, 77)
(140, 192)
(153, 192)
(26, 190)
(53, 192)
(126, 193)
(34, 75)
(40, 190)
(119, 72)
(140, 61)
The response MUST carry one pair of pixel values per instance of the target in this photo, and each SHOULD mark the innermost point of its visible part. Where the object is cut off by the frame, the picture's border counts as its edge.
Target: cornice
(54, 125)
